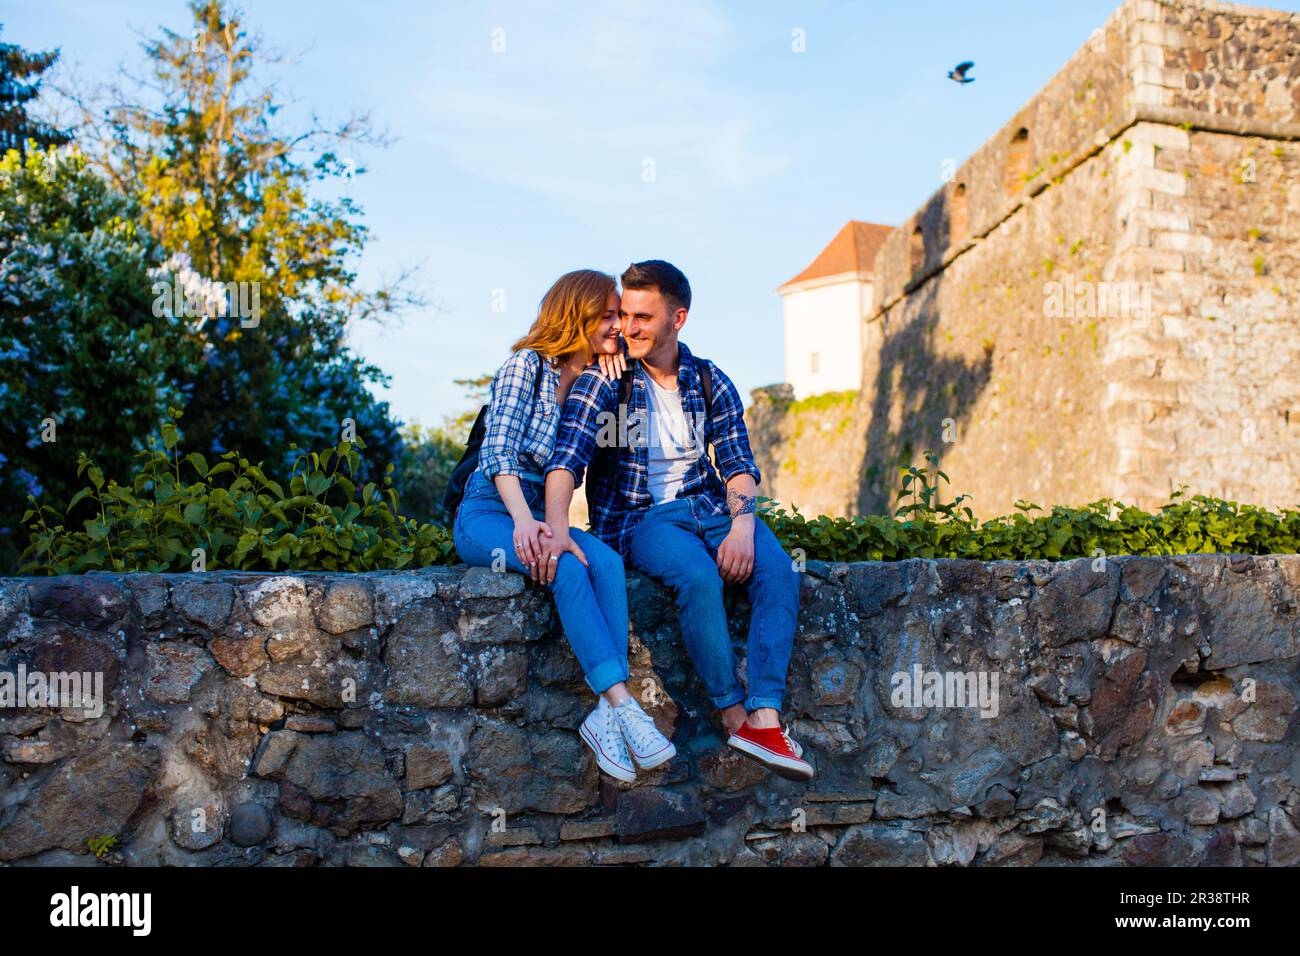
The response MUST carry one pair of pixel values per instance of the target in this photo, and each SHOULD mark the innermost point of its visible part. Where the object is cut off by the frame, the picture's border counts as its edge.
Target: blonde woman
(503, 510)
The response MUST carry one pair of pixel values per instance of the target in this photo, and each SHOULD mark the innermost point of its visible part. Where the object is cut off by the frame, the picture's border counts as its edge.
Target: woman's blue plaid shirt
(523, 416)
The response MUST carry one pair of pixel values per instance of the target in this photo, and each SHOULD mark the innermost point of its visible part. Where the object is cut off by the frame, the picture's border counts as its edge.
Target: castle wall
(1100, 302)
(1206, 394)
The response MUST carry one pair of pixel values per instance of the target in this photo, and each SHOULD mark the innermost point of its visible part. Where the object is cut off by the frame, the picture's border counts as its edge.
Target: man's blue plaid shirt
(617, 500)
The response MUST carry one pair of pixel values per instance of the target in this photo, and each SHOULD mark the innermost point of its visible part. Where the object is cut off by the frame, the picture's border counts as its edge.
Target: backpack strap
(625, 386)
(706, 382)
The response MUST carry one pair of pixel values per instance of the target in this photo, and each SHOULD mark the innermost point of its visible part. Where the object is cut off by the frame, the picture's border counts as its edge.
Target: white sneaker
(649, 747)
(601, 733)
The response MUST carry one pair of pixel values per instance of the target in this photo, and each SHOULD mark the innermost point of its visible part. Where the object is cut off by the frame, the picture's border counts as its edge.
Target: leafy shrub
(80, 343)
(425, 469)
(327, 523)
(244, 521)
(925, 528)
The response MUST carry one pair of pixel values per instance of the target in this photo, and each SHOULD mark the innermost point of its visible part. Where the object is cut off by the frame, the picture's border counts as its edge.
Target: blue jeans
(679, 548)
(591, 600)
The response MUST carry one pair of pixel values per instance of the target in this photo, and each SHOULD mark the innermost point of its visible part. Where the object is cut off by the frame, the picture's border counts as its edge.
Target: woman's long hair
(568, 314)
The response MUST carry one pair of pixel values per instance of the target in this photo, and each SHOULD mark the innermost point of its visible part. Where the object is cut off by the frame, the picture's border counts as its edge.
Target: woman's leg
(485, 534)
(609, 584)
(597, 649)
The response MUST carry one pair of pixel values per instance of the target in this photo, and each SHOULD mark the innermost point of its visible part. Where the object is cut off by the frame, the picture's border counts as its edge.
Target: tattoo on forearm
(740, 504)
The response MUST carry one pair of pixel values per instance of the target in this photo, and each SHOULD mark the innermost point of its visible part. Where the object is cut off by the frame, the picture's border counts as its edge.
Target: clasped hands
(539, 548)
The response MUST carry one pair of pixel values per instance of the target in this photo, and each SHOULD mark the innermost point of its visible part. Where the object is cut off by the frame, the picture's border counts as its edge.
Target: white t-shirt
(673, 445)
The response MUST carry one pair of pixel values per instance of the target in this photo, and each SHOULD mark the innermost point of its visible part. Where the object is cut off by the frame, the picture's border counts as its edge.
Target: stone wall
(1143, 713)
(1152, 186)
(801, 447)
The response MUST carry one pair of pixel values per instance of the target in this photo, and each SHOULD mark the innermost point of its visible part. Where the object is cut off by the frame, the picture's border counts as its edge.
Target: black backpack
(467, 465)
(604, 459)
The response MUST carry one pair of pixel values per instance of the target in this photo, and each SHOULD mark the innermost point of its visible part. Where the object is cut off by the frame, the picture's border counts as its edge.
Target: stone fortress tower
(1103, 301)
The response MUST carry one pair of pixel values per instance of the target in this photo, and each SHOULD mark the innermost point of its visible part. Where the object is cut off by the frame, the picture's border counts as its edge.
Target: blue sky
(511, 168)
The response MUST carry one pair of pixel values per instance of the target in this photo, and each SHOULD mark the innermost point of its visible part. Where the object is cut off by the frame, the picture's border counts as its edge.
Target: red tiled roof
(853, 249)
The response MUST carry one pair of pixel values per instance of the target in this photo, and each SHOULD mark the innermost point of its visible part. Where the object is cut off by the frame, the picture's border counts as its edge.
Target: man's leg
(774, 599)
(667, 545)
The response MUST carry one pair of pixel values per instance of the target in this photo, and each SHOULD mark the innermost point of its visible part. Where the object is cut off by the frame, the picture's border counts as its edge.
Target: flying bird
(958, 73)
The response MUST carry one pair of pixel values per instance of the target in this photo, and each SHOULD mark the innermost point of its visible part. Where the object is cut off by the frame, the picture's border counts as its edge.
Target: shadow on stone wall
(926, 386)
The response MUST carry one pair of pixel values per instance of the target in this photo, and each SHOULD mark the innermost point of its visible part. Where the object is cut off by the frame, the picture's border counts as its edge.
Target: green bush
(81, 348)
(925, 528)
(326, 523)
(244, 521)
(422, 475)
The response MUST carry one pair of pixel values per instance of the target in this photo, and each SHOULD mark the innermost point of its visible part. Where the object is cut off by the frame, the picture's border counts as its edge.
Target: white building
(825, 306)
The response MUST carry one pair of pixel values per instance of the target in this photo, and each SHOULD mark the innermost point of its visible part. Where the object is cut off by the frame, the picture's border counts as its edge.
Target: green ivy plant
(243, 520)
(924, 527)
(240, 517)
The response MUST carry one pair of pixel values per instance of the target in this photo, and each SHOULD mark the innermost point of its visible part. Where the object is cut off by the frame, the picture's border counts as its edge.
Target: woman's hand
(554, 546)
(612, 365)
(529, 535)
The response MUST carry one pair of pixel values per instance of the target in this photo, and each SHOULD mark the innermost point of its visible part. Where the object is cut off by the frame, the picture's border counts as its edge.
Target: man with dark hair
(664, 276)
(656, 498)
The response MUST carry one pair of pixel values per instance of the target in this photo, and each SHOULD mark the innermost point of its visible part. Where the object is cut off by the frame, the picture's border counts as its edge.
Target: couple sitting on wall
(566, 401)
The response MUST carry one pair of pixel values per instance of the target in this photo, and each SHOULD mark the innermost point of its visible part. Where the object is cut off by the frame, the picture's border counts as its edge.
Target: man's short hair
(664, 276)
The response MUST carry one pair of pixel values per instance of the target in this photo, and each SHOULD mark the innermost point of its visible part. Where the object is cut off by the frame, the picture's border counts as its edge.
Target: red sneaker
(773, 748)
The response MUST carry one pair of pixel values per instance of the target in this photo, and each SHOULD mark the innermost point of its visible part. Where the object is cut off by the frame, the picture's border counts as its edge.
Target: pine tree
(226, 188)
(20, 82)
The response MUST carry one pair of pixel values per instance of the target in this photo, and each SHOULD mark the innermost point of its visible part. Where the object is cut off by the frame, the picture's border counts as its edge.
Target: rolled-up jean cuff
(755, 703)
(735, 697)
(606, 674)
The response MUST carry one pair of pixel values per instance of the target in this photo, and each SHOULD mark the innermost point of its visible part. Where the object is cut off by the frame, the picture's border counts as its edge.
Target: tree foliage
(225, 185)
(86, 366)
(20, 83)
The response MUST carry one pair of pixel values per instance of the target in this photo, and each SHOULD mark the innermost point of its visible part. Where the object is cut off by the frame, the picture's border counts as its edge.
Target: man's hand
(530, 537)
(736, 553)
(554, 546)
